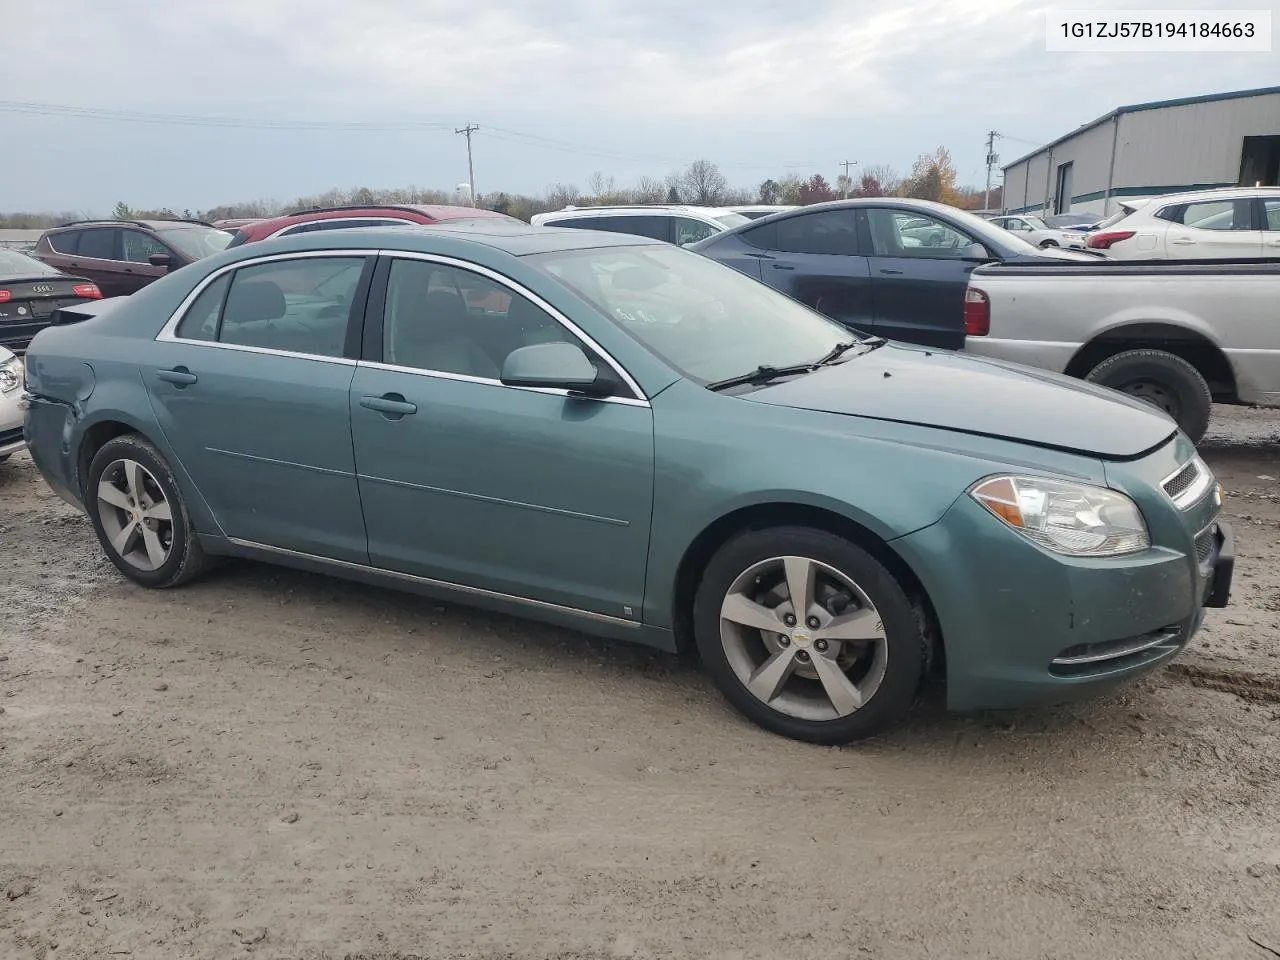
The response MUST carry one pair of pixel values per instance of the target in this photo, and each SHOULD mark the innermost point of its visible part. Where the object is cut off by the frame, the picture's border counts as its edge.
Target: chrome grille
(1189, 484)
(1181, 481)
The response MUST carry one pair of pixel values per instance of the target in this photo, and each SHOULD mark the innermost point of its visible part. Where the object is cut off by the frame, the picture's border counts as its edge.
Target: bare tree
(603, 189)
(649, 190)
(703, 183)
(561, 195)
(881, 177)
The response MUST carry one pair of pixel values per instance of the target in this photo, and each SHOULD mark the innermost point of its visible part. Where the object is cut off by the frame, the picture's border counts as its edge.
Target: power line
(469, 129)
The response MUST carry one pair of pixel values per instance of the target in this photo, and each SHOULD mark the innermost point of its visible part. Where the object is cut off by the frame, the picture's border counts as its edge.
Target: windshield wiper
(842, 348)
(762, 374)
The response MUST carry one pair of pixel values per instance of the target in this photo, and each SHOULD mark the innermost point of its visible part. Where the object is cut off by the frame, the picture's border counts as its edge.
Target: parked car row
(625, 437)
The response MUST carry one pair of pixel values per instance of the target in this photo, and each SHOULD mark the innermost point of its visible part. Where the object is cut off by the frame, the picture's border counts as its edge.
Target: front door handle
(783, 266)
(178, 376)
(892, 273)
(391, 405)
(1183, 241)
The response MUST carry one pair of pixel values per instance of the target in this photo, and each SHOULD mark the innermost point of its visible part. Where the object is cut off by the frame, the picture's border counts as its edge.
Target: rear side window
(65, 242)
(1216, 215)
(827, 232)
(578, 223)
(657, 228)
(689, 230)
(1271, 218)
(99, 244)
(201, 319)
(298, 306)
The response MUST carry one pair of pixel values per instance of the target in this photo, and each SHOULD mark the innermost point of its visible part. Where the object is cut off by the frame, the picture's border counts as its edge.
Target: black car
(30, 292)
(893, 267)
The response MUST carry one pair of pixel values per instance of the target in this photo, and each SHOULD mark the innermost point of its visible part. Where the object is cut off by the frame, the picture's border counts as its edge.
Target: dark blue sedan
(894, 267)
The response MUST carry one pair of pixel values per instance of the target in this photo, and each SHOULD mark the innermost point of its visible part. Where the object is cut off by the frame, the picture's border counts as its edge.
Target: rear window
(578, 223)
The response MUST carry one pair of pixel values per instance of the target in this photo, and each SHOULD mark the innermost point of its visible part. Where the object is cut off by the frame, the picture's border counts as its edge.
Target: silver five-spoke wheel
(803, 638)
(135, 514)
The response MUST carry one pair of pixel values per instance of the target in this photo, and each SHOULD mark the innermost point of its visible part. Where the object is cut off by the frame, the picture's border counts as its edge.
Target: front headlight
(11, 375)
(1076, 519)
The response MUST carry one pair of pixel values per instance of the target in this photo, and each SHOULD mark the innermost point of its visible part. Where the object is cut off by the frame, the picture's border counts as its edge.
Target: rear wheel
(139, 516)
(1163, 380)
(1046, 244)
(808, 635)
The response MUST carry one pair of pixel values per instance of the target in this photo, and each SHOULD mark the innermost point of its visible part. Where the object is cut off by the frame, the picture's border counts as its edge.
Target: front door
(98, 259)
(528, 493)
(1213, 230)
(919, 275)
(136, 250)
(252, 392)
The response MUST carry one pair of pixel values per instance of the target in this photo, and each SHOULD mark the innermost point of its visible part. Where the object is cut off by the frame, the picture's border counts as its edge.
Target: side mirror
(557, 366)
(160, 260)
(976, 251)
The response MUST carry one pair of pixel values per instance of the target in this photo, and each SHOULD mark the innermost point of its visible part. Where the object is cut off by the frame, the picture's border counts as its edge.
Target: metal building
(1148, 149)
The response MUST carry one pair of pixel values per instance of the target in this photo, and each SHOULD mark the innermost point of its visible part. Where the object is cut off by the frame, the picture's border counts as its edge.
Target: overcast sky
(560, 88)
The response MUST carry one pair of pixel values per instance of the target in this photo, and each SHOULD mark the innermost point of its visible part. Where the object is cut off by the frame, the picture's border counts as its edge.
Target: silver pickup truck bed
(1178, 333)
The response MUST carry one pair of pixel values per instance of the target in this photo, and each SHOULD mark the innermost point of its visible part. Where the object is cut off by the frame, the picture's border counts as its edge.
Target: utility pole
(992, 159)
(847, 164)
(468, 130)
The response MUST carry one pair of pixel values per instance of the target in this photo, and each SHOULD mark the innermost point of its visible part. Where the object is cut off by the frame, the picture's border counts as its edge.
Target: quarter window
(299, 306)
(65, 242)
(445, 319)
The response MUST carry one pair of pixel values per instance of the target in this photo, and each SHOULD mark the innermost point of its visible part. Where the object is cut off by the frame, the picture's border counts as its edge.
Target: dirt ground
(271, 764)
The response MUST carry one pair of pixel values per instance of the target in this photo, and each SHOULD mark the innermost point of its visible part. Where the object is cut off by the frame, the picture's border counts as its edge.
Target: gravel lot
(272, 764)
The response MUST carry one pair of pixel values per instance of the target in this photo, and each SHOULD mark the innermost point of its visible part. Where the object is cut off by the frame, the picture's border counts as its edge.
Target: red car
(341, 218)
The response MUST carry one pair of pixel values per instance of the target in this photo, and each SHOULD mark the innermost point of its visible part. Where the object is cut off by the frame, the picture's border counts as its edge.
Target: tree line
(932, 177)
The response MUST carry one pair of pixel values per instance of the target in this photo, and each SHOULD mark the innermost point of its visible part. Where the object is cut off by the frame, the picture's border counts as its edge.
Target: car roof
(436, 212)
(640, 208)
(174, 224)
(1218, 193)
(507, 236)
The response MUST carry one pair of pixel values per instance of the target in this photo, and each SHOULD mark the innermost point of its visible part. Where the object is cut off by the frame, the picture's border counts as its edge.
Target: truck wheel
(1164, 380)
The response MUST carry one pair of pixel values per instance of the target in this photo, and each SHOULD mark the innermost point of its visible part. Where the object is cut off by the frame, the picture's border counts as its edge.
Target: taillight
(977, 313)
(6, 296)
(87, 291)
(1104, 241)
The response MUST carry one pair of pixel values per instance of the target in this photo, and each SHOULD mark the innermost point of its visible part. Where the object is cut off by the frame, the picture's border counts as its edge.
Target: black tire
(1047, 244)
(185, 558)
(1164, 380)
(906, 645)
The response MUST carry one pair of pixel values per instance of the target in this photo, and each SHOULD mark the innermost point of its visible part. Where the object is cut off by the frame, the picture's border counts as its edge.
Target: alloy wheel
(803, 638)
(135, 514)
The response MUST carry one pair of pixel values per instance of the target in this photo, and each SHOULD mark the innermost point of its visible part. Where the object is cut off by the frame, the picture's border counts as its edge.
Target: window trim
(168, 333)
(377, 297)
(369, 295)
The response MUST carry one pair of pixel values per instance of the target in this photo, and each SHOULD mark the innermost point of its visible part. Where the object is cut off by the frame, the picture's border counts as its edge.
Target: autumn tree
(933, 177)
(816, 190)
(769, 192)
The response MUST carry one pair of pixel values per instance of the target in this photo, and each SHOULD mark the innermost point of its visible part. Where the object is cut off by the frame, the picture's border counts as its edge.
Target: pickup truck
(1181, 335)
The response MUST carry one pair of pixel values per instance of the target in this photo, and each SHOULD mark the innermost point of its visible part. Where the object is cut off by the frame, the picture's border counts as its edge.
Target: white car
(755, 211)
(674, 223)
(1038, 233)
(11, 380)
(1224, 224)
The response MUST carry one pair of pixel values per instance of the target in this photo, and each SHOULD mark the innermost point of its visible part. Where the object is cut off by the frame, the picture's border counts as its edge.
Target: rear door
(1211, 230)
(815, 258)
(1268, 213)
(252, 389)
(639, 225)
(918, 275)
(98, 258)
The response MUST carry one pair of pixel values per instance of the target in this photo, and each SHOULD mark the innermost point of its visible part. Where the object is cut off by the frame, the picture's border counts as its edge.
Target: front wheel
(1047, 244)
(139, 516)
(1165, 381)
(808, 635)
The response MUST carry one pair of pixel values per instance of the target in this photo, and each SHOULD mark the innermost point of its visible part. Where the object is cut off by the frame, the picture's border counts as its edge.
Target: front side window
(688, 230)
(99, 244)
(138, 247)
(444, 319)
(898, 234)
(298, 306)
(706, 320)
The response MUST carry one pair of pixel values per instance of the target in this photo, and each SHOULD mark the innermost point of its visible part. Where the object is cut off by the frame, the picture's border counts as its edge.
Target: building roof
(1139, 107)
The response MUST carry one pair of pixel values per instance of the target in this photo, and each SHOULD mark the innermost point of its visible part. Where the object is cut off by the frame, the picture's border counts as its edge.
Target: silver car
(11, 380)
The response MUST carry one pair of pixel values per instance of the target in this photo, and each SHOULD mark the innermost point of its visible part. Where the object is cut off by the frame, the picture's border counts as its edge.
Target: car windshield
(1036, 223)
(706, 320)
(1115, 218)
(197, 242)
(732, 219)
(15, 264)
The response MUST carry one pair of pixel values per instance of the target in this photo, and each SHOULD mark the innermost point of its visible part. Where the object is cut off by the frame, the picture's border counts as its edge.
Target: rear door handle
(179, 376)
(783, 266)
(392, 405)
(892, 273)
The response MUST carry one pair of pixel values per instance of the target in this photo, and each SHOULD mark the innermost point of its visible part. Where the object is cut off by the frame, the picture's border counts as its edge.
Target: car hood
(977, 395)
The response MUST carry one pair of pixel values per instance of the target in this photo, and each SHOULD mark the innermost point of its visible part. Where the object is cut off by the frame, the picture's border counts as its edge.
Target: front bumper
(1024, 627)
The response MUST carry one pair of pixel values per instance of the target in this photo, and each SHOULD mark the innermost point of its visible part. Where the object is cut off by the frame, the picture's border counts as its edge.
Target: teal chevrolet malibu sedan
(623, 437)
